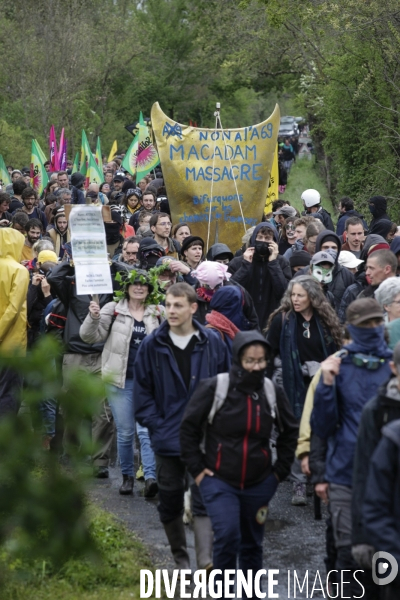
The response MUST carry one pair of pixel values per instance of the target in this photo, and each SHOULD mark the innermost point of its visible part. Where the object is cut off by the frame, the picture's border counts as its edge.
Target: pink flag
(54, 162)
(62, 155)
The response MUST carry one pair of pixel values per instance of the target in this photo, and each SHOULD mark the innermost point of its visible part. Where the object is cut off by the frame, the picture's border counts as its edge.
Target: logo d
(380, 568)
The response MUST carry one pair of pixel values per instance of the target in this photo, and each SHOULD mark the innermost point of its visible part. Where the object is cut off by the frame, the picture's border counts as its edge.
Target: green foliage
(114, 572)
(150, 278)
(42, 505)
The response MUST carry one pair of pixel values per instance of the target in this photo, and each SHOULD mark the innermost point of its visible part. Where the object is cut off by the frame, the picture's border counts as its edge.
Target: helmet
(311, 198)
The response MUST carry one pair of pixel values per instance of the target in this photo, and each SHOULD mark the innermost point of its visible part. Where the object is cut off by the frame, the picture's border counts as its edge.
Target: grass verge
(304, 175)
(113, 574)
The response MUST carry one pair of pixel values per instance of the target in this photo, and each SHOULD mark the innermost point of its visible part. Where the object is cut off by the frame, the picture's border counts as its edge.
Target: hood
(320, 240)
(380, 204)
(257, 229)
(11, 244)
(228, 300)
(217, 249)
(395, 245)
(77, 179)
(381, 227)
(371, 240)
(244, 338)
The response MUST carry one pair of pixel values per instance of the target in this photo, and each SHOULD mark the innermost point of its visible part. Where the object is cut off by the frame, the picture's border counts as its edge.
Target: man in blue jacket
(170, 363)
(381, 509)
(347, 383)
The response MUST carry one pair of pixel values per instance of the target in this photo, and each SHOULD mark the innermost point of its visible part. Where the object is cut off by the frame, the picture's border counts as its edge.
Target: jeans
(121, 403)
(238, 518)
(48, 411)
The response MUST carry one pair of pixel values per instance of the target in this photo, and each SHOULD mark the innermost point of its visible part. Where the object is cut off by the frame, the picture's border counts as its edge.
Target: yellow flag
(216, 180)
(273, 189)
(113, 151)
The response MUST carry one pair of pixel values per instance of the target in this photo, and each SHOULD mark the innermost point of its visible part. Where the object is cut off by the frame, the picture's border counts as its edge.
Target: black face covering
(262, 248)
(250, 381)
(112, 233)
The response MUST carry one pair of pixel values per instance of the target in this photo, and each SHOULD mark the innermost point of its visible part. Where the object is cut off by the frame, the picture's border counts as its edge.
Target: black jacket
(62, 281)
(266, 281)
(376, 413)
(237, 443)
(36, 303)
(325, 217)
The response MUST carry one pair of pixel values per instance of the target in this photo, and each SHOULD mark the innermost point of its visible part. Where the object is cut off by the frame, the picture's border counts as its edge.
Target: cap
(321, 257)
(347, 259)
(165, 260)
(286, 211)
(190, 240)
(119, 176)
(47, 255)
(363, 309)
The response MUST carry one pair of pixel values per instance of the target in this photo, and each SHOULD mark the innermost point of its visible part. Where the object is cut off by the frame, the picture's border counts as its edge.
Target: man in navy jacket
(170, 363)
(347, 383)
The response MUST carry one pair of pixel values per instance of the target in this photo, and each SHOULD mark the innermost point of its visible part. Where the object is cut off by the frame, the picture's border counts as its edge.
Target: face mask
(372, 209)
(332, 252)
(262, 248)
(251, 380)
(322, 274)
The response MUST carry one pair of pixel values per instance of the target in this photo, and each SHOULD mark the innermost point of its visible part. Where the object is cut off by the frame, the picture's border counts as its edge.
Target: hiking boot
(140, 473)
(127, 485)
(299, 494)
(150, 488)
(101, 472)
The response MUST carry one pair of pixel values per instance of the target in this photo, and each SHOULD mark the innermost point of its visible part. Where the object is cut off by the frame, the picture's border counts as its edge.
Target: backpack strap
(221, 392)
(269, 390)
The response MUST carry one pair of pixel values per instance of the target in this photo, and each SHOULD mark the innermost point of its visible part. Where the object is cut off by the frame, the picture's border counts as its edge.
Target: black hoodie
(265, 280)
(237, 447)
(217, 250)
(379, 207)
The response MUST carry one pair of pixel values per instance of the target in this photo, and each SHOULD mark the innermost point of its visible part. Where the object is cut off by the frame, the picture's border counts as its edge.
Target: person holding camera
(262, 271)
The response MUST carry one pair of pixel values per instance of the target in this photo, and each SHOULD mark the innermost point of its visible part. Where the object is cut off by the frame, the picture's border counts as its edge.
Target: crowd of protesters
(283, 353)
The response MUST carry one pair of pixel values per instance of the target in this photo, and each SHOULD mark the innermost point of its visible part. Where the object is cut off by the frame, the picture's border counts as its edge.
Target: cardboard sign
(89, 249)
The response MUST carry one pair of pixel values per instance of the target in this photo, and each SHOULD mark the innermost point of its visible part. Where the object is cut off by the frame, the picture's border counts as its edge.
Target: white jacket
(116, 315)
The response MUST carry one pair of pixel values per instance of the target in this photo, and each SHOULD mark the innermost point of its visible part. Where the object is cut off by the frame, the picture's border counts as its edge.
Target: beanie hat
(382, 246)
(330, 238)
(128, 184)
(191, 240)
(47, 255)
(300, 259)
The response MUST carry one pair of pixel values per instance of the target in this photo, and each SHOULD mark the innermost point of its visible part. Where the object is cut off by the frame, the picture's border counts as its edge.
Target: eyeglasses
(290, 226)
(250, 362)
(307, 332)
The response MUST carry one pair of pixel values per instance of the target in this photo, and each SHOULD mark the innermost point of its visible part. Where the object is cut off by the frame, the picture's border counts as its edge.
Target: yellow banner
(273, 190)
(222, 173)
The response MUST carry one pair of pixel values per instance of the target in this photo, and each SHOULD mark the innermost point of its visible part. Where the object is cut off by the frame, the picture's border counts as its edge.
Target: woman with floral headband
(122, 325)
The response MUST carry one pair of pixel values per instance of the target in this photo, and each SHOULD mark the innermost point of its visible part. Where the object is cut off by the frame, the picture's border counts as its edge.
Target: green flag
(41, 153)
(75, 166)
(99, 158)
(85, 153)
(142, 157)
(93, 174)
(5, 178)
(39, 177)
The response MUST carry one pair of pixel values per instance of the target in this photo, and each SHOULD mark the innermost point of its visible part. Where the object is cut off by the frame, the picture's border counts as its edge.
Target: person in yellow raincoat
(14, 281)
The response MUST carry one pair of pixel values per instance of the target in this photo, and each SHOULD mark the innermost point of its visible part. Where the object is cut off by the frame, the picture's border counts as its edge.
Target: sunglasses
(290, 227)
(372, 363)
(306, 332)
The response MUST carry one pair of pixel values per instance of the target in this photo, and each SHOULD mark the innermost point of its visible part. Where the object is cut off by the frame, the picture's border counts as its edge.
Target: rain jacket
(237, 442)
(14, 281)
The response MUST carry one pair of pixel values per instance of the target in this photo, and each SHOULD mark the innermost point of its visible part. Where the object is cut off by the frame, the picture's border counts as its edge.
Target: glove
(362, 554)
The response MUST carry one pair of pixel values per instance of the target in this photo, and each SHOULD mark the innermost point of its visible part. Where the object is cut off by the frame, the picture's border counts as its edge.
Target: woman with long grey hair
(388, 296)
(302, 332)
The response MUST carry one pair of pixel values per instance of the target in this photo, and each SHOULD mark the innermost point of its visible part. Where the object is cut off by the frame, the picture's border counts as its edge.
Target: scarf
(222, 323)
(293, 380)
(205, 293)
(368, 340)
